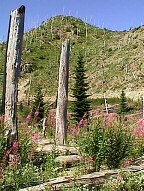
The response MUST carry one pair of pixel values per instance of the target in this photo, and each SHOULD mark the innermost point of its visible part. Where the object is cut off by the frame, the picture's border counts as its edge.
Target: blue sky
(111, 14)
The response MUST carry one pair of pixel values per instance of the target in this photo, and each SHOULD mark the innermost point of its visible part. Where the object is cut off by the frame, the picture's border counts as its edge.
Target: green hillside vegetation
(114, 60)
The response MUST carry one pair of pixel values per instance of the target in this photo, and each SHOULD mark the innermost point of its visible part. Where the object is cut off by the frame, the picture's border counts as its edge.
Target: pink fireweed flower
(8, 152)
(89, 161)
(113, 114)
(15, 144)
(28, 157)
(141, 134)
(141, 121)
(128, 117)
(141, 127)
(81, 157)
(2, 170)
(74, 132)
(134, 132)
(80, 123)
(32, 134)
(35, 138)
(51, 127)
(121, 164)
(127, 162)
(1, 173)
(36, 113)
(28, 117)
(108, 122)
(119, 179)
(36, 159)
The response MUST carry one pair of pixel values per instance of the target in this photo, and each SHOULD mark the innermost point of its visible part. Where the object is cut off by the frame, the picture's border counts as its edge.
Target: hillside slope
(114, 60)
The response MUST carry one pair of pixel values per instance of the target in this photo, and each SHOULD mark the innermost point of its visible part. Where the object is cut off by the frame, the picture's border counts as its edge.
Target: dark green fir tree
(38, 105)
(123, 104)
(81, 105)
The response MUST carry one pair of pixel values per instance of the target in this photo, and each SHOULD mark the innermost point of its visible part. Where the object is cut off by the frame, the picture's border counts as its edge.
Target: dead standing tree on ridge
(12, 71)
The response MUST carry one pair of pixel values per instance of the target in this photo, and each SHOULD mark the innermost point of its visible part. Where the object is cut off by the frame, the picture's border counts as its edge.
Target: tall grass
(105, 143)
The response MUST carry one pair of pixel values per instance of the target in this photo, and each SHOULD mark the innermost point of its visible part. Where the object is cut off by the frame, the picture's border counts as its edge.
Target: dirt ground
(135, 95)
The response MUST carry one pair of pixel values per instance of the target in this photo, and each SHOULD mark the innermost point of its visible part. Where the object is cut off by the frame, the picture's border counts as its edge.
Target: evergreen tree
(38, 104)
(81, 105)
(123, 104)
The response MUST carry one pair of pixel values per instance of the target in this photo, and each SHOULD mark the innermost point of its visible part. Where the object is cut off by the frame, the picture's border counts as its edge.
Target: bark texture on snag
(61, 111)
(21, 9)
(12, 70)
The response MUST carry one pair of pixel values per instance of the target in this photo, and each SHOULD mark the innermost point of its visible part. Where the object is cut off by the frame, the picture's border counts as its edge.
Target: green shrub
(98, 36)
(93, 144)
(24, 110)
(107, 143)
(116, 145)
(76, 31)
(42, 57)
(125, 181)
(110, 50)
(74, 24)
(68, 29)
(135, 46)
(57, 37)
(2, 147)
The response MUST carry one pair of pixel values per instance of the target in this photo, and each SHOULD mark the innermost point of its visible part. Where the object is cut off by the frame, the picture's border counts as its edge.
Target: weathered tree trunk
(86, 32)
(12, 70)
(30, 81)
(52, 28)
(126, 69)
(102, 74)
(86, 29)
(61, 112)
(44, 126)
(143, 107)
(105, 104)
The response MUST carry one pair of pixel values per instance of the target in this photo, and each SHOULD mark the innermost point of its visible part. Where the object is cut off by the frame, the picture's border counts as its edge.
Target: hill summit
(114, 60)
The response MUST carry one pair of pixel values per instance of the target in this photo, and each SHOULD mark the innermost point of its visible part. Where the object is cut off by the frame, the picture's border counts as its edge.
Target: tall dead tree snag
(61, 111)
(105, 104)
(143, 107)
(12, 70)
